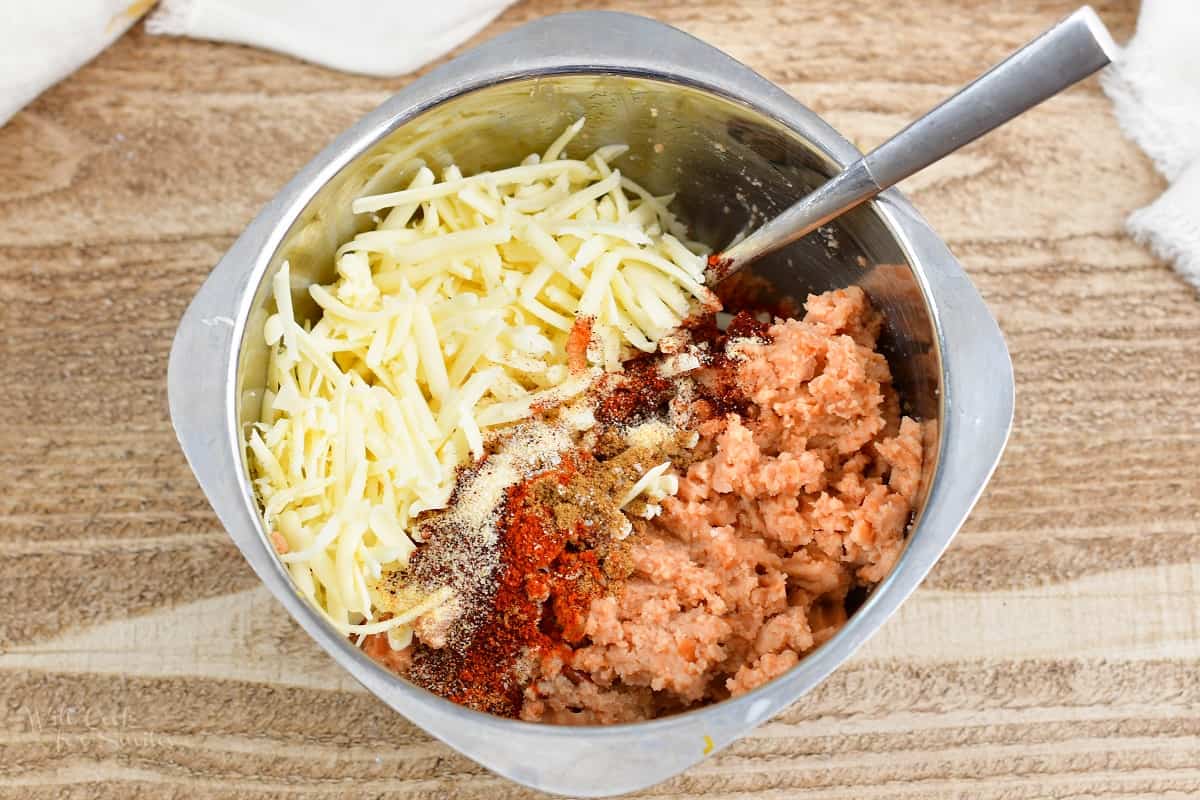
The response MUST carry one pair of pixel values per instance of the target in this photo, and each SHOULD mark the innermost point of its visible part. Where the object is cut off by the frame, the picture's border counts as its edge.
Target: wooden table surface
(1054, 652)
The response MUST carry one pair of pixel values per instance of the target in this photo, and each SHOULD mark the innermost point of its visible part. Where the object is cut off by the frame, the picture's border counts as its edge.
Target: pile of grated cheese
(454, 317)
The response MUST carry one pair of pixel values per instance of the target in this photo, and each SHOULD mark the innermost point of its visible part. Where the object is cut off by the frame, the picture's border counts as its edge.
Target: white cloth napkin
(1155, 87)
(367, 36)
(42, 42)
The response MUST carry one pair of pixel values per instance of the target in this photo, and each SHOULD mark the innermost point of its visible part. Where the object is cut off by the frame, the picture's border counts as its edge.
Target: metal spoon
(1067, 53)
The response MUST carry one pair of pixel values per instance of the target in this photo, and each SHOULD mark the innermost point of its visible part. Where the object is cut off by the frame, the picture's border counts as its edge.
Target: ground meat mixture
(788, 507)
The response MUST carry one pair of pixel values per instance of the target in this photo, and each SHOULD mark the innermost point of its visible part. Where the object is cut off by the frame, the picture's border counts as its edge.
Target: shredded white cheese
(448, 320)
(656, 484)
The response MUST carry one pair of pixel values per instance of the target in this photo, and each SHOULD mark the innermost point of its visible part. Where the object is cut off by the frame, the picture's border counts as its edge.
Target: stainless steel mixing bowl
(736, 148)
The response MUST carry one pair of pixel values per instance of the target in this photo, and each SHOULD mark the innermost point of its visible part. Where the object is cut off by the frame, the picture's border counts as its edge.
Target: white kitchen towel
(1155, 88)
(44, 41)
(366, 36)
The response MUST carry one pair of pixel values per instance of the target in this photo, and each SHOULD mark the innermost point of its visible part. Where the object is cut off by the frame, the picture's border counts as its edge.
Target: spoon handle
(1067, 53)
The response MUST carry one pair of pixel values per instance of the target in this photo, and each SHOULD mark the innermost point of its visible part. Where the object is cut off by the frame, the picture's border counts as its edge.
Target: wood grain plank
(1057, 727)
